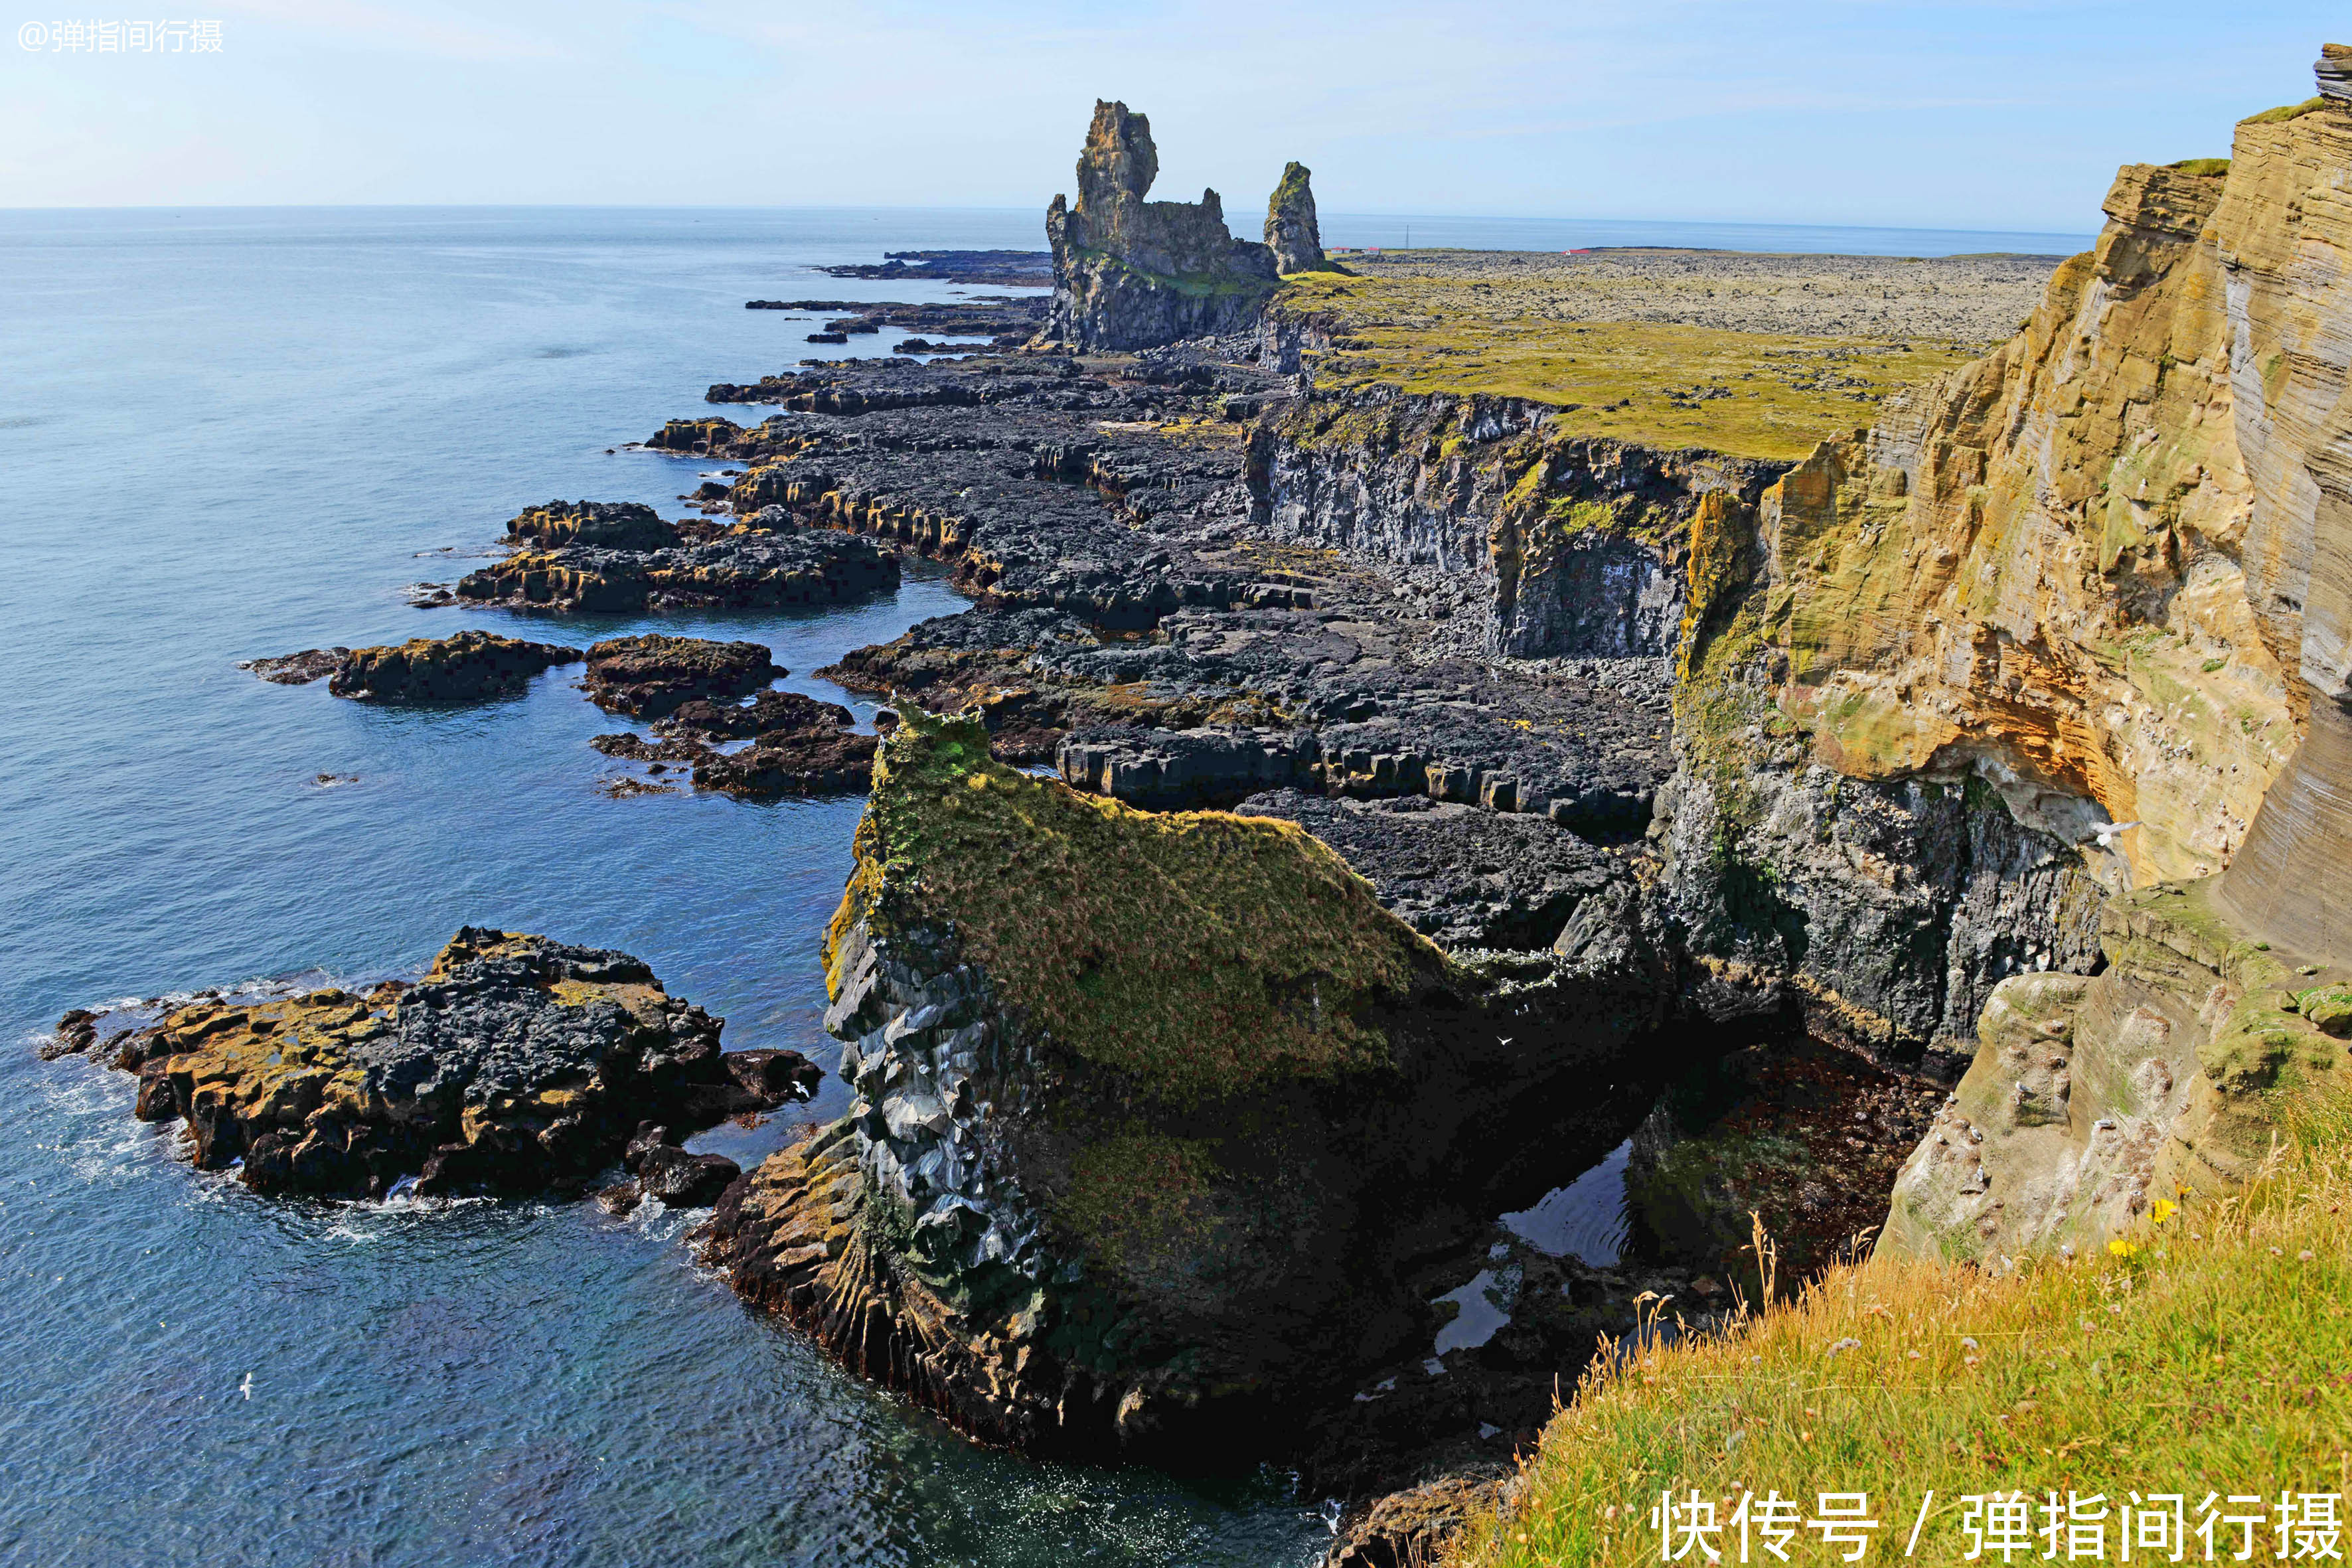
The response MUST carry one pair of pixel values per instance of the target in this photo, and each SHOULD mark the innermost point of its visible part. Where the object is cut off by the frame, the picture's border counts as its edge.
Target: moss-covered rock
(652, 676)
(2167, 1078)
(615, 525)
(465, 668)
(620, 558)
(1130, 274)
(1154, 1111)
(1291, 231)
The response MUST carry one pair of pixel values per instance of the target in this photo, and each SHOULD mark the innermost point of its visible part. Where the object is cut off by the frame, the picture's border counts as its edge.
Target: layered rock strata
(2028, 644)
(1156, 1113)
(2092, 1100)
(2090, 566)
(2334, 70)
(2014, 674)
(515, 1064)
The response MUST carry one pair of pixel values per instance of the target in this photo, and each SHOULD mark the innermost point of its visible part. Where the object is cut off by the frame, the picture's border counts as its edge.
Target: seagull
(246, 1387)
(2108, 832)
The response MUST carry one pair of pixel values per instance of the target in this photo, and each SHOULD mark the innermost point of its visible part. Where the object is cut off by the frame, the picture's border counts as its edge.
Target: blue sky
(1995, 115)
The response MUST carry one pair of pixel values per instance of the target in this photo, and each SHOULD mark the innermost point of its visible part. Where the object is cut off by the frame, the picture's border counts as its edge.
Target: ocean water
(229, 434)
(223, 435)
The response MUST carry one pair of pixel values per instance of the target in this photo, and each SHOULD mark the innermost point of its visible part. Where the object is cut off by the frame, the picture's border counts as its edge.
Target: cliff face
(2097, 562)
(2104, 574)
(1129, 273)
(1156, 1113)
(1564, 546)
(2086, 581)
(2284, 223)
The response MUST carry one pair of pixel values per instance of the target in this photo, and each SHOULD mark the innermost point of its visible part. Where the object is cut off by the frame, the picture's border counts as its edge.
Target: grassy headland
(1754, 356)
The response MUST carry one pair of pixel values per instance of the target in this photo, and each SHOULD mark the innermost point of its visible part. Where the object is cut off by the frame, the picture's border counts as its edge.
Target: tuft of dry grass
(2210, 1351)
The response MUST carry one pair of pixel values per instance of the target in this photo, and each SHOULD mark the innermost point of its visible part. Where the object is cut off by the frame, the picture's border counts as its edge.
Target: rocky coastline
(1361, 797)
(616, 557)
(1619, 705)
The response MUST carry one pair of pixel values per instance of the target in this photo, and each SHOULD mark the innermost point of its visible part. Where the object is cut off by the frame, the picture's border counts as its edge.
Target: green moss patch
(1749, 394)
(1139, 1197)
(2282, 113)
(1198, 952)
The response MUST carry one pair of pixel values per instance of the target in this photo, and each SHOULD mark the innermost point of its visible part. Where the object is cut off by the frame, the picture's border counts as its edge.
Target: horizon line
(942, 206)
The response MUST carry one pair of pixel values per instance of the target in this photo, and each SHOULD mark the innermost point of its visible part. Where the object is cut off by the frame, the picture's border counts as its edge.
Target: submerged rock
(297, 669)
(465, 668)
(517, 1064)
(1156, 1113)
(660, 1169)
(652, 676)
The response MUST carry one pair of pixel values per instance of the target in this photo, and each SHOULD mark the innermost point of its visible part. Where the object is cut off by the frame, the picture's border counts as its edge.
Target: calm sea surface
(230, 434)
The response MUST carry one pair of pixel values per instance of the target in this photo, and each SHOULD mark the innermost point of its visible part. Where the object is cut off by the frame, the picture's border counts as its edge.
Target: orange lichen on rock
(2084, 562)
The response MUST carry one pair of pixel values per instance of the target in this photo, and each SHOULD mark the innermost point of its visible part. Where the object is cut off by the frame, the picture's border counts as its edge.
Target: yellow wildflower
(2163, 1209)
(2121, 1247)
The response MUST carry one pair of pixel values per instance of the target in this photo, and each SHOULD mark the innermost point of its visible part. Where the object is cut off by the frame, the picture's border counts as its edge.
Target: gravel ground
(1975, 299)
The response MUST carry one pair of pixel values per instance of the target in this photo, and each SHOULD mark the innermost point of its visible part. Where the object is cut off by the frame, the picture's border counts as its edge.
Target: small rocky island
(621, 557)
(471, 667)
(514, 1065)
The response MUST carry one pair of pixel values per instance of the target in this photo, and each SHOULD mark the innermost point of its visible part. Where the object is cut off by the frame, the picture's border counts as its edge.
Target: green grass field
(2208, 1353)
(1750, 394)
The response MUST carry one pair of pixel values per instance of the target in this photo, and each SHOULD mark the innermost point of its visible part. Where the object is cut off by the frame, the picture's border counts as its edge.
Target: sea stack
(1290, 228)
(1132, 274)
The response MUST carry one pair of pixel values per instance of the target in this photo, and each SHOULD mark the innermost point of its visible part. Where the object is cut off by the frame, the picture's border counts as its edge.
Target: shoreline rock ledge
(516, 1064)
(1158, 1114)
